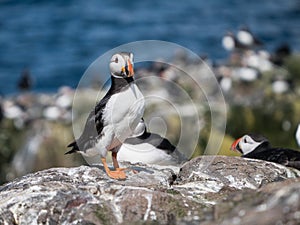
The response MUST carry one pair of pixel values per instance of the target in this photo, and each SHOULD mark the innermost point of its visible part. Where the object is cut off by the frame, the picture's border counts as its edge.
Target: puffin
(25, 81)
(230, 42)
(257, 146)
(149, 148)
(297, 135)
(281, 53)
(114, 118)
(246, 37)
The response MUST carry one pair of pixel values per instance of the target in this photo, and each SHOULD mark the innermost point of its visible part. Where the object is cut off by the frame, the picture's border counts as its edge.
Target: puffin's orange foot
(118, 174)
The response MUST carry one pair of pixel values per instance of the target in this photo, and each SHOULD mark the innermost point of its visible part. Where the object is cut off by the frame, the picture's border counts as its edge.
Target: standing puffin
(25, 81)
(230, 43)
(246, 37)
(258, 147)
(149, 148)
(114, 118)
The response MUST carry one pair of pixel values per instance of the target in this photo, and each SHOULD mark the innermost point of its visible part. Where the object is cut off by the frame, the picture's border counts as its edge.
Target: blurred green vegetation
(55, 137)
(275, 119)
(10, 141)
(277, 116)
(292, 64)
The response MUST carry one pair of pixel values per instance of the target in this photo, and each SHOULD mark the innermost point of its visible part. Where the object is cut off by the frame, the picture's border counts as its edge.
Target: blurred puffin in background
(25, 80)
(230, 42)
(297, 135)
(246, 37)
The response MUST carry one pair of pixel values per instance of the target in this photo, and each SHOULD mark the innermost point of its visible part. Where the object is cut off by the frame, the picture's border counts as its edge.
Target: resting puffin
(258, 147)
(149, 148)
(114, 118)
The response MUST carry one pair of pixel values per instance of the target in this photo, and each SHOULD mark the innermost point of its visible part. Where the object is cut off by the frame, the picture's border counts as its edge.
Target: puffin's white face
(121, 65)
(245, 144)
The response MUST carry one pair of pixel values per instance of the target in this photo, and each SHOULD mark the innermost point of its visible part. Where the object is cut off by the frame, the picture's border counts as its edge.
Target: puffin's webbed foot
(117, 174)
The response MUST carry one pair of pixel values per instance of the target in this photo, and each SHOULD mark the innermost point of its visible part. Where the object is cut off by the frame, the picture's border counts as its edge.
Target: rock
(275, 203)
(210, 178)
(85, 195)
(156, 195)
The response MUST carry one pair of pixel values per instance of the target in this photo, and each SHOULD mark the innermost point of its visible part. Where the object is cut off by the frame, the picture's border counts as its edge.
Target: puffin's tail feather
(74, 148)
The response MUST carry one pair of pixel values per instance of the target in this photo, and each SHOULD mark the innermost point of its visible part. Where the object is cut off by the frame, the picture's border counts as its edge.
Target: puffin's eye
(116, 60)
(245, 140)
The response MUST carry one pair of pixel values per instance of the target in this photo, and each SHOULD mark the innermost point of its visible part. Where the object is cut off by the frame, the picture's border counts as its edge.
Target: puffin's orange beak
(130, 68)
(234, 145)
(123, 70)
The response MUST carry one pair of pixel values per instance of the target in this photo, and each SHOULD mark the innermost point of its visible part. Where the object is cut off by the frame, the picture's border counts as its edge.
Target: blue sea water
(57, 40)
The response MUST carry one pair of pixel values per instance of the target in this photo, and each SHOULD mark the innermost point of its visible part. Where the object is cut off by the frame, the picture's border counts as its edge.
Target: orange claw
(118, 174)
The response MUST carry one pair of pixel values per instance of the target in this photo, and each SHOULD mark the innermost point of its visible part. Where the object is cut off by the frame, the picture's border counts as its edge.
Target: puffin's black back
(153, 139)
(284, 156)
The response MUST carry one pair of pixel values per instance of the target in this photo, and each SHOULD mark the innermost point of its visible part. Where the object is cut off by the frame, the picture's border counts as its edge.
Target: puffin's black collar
(118, 84)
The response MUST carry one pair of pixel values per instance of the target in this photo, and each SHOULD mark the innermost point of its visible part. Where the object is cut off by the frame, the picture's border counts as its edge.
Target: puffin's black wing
(154, 139)
(284, 156)
(94, 124)
(162, 143)
(88, 137)
(92, 129)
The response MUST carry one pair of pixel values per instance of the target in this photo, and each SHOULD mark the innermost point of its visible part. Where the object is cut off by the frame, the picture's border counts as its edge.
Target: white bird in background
(245, 37)
(298, 135)
(260, 60)
(65, 97)
(230, 43)
(15, 112)
(281, 85)
(246, 74)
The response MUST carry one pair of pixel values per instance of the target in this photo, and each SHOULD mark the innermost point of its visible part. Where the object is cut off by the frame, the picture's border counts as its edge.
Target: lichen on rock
(205, 190)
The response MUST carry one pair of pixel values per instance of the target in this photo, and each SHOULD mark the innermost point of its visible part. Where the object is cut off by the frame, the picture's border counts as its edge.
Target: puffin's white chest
(228, 43)
(245, 37)
(123, 112)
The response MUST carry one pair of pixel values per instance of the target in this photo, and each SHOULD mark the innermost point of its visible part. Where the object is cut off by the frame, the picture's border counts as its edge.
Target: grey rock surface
(206, 190)
(275, 203)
